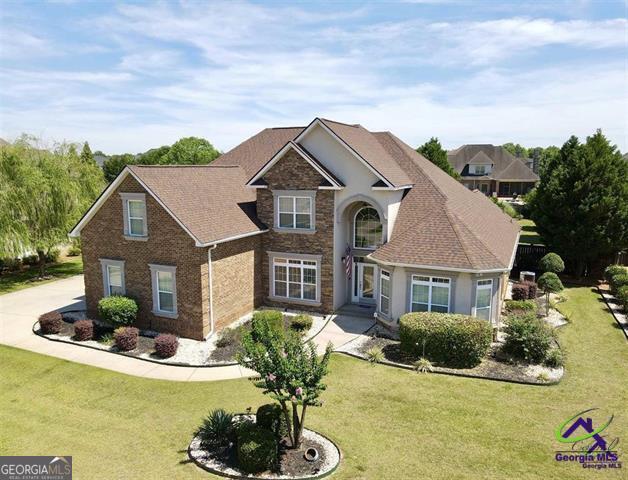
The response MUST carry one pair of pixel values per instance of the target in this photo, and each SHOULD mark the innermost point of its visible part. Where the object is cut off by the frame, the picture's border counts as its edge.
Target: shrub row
(524, 291)
(451, 339)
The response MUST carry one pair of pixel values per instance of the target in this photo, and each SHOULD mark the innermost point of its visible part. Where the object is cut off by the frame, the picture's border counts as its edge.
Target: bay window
(430, 294)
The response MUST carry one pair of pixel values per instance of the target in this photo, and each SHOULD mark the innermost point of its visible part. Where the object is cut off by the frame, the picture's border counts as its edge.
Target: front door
(364, 282)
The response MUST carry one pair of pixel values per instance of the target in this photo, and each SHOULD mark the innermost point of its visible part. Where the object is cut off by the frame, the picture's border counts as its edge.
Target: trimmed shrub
(532, 290)
(125, 338)
(50, 322)
(622, 296)
(257, 450)
(554, 358)
(452, 339)
(217, 430)
(528, 338)
(619, 280)
(520, 306)
(166, 345)
(272, 318)
(83, 330)
(270, 417)
(552, 263)
(520, 291)
(118, 310)
(612, 270)
(301, 323)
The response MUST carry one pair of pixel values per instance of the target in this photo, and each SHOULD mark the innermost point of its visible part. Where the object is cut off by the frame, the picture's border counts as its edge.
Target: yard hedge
(273, 318)
(257, 450)
(619, 280)
(528, 338)
(451, 339)
(118, 310)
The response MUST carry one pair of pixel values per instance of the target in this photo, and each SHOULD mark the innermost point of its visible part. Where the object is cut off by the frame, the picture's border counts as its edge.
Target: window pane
(286, 220)
(419, 307)
(385, 305)
(294, 274)
(385, 284)
(440, 296)
(483, 313)
(113, 290)
(294, 290)
(303, 220)
(368, 228)
(136, 226)
(164, 281)
(280, 273)
(483, 298)
(286, 204)
(115, 276)
(420, 293)
(136, 208)
(309, 275)
(303, 205)
(166, 301)
(281, 289)
(439, 309)
(421, 279)
(309, 292)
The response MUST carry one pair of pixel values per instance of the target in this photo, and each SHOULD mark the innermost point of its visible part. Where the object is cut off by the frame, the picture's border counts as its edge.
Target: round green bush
(118, 310)
(271, 417)
(451, 339)
(619, 280)
(622, 296)
(272, 319)
(301, 323)
(612, 270)
(552, 263)
(257, 450)
(528, 338)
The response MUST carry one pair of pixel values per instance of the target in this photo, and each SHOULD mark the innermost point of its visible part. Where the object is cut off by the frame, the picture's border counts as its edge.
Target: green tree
(115, 164)
(552, 262)
(154, 156)
(581, 204)
(190, 151)
(434, 152)
(42, 195)
(291, 372)
(517, 150)
(549, 283)
(86, 154)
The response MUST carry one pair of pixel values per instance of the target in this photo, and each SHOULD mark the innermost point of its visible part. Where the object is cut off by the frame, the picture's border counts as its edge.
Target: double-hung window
(134, 209)
(113, 277)
(483, 295)
(295, 279)
(384, 292)
(294, 212)
(430, 294)
(164, 283)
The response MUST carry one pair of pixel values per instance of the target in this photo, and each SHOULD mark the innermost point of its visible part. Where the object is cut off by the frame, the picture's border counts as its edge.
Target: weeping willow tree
(43, 193)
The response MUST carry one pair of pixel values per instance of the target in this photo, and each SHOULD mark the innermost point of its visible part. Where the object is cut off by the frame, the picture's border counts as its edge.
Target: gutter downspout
(211, 290)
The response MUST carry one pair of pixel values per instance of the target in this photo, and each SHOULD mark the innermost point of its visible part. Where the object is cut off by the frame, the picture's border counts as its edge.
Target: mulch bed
(496, 366)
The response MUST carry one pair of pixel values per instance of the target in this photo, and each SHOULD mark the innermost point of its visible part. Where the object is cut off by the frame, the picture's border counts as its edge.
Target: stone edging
(622, 326)
(214, 471)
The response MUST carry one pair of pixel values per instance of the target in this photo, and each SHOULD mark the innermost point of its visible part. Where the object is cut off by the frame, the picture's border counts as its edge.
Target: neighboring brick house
(305, 218)
(493, 170)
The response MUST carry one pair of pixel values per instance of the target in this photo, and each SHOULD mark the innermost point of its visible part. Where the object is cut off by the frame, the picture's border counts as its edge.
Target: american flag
(348, 261)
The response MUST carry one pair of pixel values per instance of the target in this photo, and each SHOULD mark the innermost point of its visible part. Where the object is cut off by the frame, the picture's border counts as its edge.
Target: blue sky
(131, 76)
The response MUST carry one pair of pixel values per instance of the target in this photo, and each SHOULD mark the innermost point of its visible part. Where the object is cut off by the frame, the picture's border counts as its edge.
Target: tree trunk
(42, 263)
(286, 415)
(295, 426)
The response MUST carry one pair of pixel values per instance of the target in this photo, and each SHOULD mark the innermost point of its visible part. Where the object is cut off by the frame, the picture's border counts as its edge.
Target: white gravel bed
(192, 352)
(555, 318)
(354, 345)
(553, 374)
(330, 462)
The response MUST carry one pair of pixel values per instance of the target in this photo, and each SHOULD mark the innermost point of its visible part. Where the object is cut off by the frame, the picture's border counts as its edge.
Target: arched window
(367, 229)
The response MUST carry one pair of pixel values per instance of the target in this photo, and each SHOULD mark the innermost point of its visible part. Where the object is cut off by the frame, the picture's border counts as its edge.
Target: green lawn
(528, 232)
(389, 423)
(66, 267)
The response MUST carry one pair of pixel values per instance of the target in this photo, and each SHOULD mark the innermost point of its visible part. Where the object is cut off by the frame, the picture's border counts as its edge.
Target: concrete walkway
(20, 310)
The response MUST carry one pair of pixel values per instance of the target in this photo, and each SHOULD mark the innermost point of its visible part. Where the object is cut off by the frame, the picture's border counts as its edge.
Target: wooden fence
(528, 256)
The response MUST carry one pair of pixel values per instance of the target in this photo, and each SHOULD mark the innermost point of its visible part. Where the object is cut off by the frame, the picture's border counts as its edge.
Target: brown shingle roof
(505, 165)
(211, 201)
(440, 223)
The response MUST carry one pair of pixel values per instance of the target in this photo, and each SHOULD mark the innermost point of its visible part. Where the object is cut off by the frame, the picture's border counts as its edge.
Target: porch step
(354, 310)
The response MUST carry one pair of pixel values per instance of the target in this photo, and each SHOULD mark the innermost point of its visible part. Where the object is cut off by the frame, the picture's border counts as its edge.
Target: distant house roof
(506, 167)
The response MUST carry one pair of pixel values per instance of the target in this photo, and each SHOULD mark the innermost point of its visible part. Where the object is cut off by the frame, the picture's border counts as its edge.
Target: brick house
(308, 218)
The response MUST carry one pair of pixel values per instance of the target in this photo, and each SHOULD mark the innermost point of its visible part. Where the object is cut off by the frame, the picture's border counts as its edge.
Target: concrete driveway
(20, 310)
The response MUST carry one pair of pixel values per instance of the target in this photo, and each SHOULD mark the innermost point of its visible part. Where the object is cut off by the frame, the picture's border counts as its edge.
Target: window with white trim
(430, 294)
(384, 292)
(367, 229)
(164, 283)
(113, 277)
(136, 218)
(295, 278)
(294, 212)
(483, 296)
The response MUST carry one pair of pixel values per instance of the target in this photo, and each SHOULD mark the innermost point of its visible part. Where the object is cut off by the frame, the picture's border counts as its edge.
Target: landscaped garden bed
(218, 350)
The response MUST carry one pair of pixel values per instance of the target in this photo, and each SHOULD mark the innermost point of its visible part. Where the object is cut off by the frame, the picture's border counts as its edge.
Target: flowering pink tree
(290, 372)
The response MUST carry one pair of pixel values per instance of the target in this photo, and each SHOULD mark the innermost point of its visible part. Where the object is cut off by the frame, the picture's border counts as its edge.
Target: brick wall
(292, 172)
(237, 285)
(167, 244)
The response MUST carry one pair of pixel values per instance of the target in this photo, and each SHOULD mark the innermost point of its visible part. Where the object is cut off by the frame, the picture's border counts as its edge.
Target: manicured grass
(65, 267)
(528, 232)
(389, 423)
